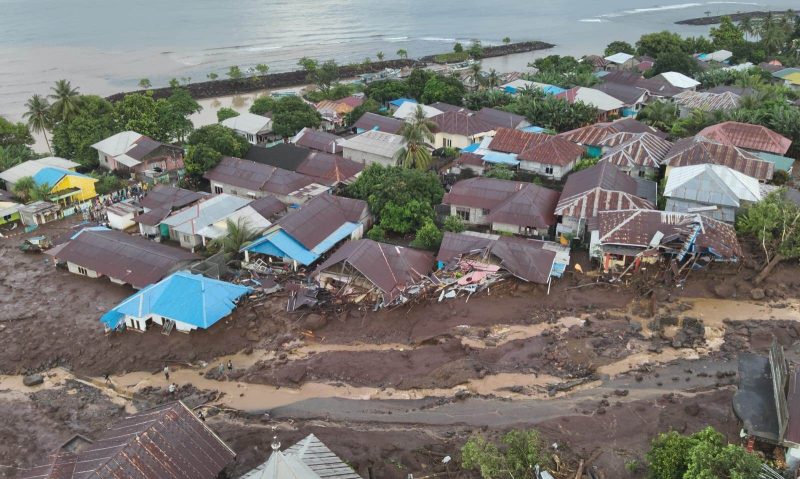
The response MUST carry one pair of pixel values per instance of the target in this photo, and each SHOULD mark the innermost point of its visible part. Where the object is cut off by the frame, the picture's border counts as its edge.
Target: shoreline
(226, 87)
(714, 20)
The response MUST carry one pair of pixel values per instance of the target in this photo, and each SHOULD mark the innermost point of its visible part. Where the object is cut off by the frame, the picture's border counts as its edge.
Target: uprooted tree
(518, 455)
(775, 223)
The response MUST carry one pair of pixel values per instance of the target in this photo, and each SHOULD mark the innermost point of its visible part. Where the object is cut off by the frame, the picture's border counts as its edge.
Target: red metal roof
(553, 151)
(636, 149)
(329, 169)
(257, 177)
(509, 140)
(745, 135)
(699, 151)
(599, 188)
(460, 122)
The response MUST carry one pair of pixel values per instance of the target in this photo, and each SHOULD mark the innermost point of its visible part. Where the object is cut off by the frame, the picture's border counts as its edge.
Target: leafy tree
(475, 49)
(659, 114)
(24, 187)
(263, 105)
(417, 134)
(619, 47)
(212, 76)
(500, 172)
(66, 101)
(41, 192)
(107, 183)
(696, 121)
(775, 223)
(199, 159)
(700, 455)
(521, 452)
(447, 89)
(407, 217)
(291, 114)
(262, 69)
(138, 112)
(235, 73)
(237, 235)
(553, 113)
(727, 35)
(17, 134)
(506, 40)
(585, 163)
(74, 138)
(487, 98)
(220, 139)
(379, 56)
(458, 47)
(675, 61)
(376, 233)
(225, 113)
(383, 91)
(428, 237)
(416, 82)
(13, 155)
(564, 71)
(336, 92)
(402, 53)
(144, 83)
(173, 114)
(369, 105)
(454, 224)
(697, 45)
(653, 44)
(322, 75)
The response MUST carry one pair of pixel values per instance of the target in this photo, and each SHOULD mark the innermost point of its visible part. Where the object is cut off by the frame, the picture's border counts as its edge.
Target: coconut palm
(39, 117)
(493, 79)
(66, 101)
(747, 27)
(41, 192)
(417, 134)
(23, 188)
(475, 74)
(659, 114)
(402, 53)
(238, 234)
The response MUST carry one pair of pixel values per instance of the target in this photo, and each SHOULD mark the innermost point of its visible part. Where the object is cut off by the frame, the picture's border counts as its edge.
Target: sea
(107, 46)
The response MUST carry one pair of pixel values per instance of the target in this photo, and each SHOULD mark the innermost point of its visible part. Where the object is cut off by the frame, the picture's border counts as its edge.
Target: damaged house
(627, 238)
(365, 270)
(502, 205)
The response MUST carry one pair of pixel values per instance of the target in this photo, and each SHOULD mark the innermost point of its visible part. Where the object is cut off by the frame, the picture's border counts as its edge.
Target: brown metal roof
(553, 151)
(509, 140)
(390, 268)
(132, 259)
(167, 442)
(169, 197)
(268, 206)
(373, 121)
(146, 145)
(636, 228)
(524, 258)
(592, 135)
(699, 151)
(636, 149)
(469, 159)
(500, 118)
(458, 122)
(329, 169)
(599, 188)
(319, 140)
(627, 94)
(321, 216)
(257, 177)
(745, 135)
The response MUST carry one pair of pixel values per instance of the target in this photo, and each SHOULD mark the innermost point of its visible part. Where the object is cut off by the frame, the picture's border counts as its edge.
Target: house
(607, 106)
(503, 205)
(446, 107)
(333, 112)
(753, 138)
(184, 225)
(139, 155)
(630, 237)
(408, 110)
(789, 76)
(655, 87)
(459, 129)
(183, 301)
(39, 213)
(719, 56)
(373, 121)
(67, 187)
(287, 156)
(29, 168)
(469, 161)
(602, 187)
(317, 140)
(124, 259)
(553, 157)
(160, 202)
(121, 215)
(530, 260)
(594, 137)
(135, 447)
(249, 179)
(246, 216)
(374, 147)
(676, 80)
(700, 151)
(633, 99)
(379, 273)
(398, 102)
(305, 234)
(715, 190)
(637, 154)
(328, 169)
(502, 119)
(308, 459)
(621, 61)
(690, 100)
(254, 128)
(9, 210)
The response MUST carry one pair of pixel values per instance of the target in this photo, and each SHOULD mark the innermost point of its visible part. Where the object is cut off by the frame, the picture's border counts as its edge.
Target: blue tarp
(341, 233)
(510, 90)
(553, 90)
(52, 175)
(471, 148)
(533, 129)
(189, 298)
(501, 158)
(400, 101)
(281, 245)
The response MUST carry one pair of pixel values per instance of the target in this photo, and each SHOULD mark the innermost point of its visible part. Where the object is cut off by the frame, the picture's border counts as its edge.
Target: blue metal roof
(400, 101)
(189, 298)
(501, 158)
(341, 233)
(281, 245)
(52, 175)
(553, 90)
(781, 162)
(471, 148)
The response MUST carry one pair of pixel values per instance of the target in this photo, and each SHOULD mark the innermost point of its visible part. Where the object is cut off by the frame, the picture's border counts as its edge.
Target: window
(642, 174)
(82, 270)
(217, 189)
(548, 170)
(448, 142)
(187, 239)
(462, 213)
(484, 212)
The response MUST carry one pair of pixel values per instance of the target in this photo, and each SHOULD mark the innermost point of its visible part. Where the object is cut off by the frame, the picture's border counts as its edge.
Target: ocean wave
(660, 8)
(591, 20)
(395, 39)
(438, 39)
(263, 48)
(754, 4)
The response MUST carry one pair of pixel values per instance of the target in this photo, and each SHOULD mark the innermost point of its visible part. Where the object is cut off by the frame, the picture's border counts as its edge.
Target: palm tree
(417, 134)
(379, 56)
(475, 74)
(41, 192)
(66, 101)
(238, 235)
(402, 53)
(659, 114)
(493, 80)
(39, 117)
(746, 26)
(23, 188)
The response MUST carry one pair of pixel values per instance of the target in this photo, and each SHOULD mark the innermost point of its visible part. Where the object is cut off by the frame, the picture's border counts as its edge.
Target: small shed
(120, 215)
(39, 213)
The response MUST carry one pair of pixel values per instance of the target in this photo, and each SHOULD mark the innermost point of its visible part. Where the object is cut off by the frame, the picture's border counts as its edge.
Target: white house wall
(73, 268)
(366, 158)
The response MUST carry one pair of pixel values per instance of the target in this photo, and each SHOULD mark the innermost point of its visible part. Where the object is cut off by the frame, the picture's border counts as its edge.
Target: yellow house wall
(85, 184)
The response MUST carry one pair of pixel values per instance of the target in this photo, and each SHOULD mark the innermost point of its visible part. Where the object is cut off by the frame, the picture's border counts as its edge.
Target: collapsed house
(308, 459)
(367, 270)
(167, 442)
(625, 239)
(472, 262)
(182, 301)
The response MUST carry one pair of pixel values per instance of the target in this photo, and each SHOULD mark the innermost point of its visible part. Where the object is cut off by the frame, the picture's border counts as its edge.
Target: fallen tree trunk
(768, 269)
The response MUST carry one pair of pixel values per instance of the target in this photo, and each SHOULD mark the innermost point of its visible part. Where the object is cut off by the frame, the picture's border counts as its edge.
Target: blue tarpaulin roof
(471, 148)
(189, 298)
(281, 245)
(400, 101)
(501, 158)
(553, 90)
(52, 175)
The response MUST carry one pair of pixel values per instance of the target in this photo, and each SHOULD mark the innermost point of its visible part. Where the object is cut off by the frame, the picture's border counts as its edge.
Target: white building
(374, 147)
(254, 128)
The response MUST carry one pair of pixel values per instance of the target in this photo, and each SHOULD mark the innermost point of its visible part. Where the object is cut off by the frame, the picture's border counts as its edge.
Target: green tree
(458, 47)
(263, 105)
(107, 183)
(66, 101)
(661, 115)
(291, 114)
(700, 455)
(41, 192)
(585, 163)
(212, 76)
(492, 79)
(428, 237)
(475, 50)
(476, 100)
(407, 217)
(454, 224)
(237, 235)
(322, 75)
(17, 134)
(262, 69)
(417, 134)
(379, 56)
(199, 159)
(506, 40)
(138, 112)
(775, 223)
(13, 155)
(74, 139)
(727, 35)
(144, 83)
(447, 89)
(235, 73)
(220, 139)
(383, 91)
(173, 114)
(225, 113)
(521, 452)
(653, 44)
(402, 53)
(416, 82)
(675, 61)
(553, 113)
(369, 105)
(376, 233)
(24, 187)
(500, 172)
(619, 47)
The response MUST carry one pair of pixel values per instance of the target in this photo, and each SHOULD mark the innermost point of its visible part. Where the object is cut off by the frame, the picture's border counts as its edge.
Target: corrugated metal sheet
(373, 121)
(553, 151)
(745, 135)
(712, 184)
(170, 197)
(318, 140)
(321, 216)
(636, 149)
(464, 123)
(699, 151)
(599, 188)
(508, 140)
(530, 204)
(500, 118)
(706, 101)
(308, 459)
(257, 177)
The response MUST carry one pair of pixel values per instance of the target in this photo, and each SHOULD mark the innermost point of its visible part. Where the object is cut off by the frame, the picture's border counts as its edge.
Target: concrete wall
(368, 158)
(540, 169)
(120, 222)
(74, 268)
(476, 215)
(722, 213)
(457, 141)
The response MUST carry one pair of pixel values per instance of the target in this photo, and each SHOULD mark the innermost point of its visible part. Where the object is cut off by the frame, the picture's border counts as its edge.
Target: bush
(428, 237)
(224, 113)
(453, 57)
(454, 224)
(107, 183)
(376, 233)
(522, 452)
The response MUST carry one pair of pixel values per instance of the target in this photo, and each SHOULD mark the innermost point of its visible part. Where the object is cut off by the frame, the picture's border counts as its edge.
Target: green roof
(781, 162)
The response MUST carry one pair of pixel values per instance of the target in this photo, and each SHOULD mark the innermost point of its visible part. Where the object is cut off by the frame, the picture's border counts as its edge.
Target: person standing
(166, 372)
(230, 366)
